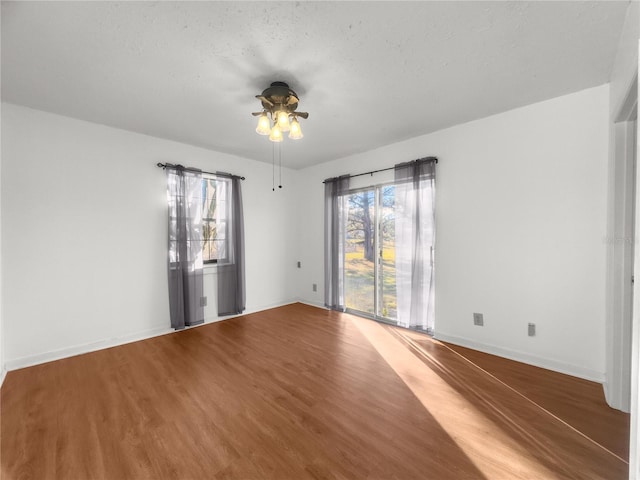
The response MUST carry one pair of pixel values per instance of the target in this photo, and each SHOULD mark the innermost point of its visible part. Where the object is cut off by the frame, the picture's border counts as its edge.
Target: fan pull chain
(280, 155)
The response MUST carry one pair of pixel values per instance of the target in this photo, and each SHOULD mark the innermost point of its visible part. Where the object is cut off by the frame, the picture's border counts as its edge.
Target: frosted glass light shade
(276, 133)
(296, 132)
(283, 121)
(264, 125)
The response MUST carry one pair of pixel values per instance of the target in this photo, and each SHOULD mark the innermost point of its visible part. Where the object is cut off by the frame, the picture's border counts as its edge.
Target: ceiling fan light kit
(279, 113)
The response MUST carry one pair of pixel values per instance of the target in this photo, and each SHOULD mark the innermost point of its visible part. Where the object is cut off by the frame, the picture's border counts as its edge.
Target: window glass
(215, 193)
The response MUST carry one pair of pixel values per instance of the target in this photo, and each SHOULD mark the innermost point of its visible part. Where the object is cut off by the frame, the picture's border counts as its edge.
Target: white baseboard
(311, 304)
(44, 357)
(556, 366)
(31, 360)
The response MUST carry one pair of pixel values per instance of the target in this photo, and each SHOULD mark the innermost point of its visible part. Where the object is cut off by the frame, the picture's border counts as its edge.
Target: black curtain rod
(385, 169)
(219, 174)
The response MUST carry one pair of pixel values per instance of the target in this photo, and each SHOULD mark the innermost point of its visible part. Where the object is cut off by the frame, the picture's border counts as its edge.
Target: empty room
(319, 240)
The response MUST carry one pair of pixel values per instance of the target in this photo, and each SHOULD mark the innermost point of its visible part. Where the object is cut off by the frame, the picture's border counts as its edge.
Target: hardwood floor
(298, 392)
(557, 393)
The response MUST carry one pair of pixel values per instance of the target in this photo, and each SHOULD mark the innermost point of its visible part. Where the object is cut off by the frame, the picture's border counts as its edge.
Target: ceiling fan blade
(301, 114)
(257, 114)
(264, 99)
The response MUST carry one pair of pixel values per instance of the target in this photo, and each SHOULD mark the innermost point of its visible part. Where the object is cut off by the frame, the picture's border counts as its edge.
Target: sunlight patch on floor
(410, 337)
(478, 437)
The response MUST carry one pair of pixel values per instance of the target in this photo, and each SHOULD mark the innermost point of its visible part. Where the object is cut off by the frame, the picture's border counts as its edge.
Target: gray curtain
(335, 211)
(184, 192)
(231, 279)
(415, 242)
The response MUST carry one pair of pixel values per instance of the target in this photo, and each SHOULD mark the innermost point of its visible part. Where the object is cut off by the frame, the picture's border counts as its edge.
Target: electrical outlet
(478, 319)
(532, 329)
(315, 287)
(203, 301)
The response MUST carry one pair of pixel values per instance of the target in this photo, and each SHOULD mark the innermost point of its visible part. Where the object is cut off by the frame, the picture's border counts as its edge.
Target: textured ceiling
(369, 73)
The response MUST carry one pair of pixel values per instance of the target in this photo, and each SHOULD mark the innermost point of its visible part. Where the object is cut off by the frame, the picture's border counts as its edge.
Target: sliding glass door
(359, 252)
(369, 254)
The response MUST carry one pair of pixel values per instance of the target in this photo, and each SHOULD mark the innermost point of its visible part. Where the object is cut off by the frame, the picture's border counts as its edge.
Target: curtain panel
(335, 191)
(415, 243)
(184, 195)
(231, 274)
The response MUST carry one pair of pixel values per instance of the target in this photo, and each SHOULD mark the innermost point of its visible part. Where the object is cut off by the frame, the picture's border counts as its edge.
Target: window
(215, 215)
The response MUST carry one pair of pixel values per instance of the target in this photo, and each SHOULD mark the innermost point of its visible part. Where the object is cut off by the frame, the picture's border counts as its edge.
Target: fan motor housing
(279, 93)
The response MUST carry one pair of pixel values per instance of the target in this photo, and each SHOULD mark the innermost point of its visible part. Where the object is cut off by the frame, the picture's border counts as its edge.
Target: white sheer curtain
(415, 242)
(335, 211)
(184, 195)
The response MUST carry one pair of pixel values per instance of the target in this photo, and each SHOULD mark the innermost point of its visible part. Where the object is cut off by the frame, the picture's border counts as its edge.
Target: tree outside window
(215, 214)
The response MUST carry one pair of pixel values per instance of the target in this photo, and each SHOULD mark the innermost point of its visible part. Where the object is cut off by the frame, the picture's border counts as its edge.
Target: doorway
(369, 253)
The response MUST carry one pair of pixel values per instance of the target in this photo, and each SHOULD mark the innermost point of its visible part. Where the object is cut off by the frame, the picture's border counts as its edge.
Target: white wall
(521, 216)
(2, 364)
(84, 233)
(625, 66)
(521, 221)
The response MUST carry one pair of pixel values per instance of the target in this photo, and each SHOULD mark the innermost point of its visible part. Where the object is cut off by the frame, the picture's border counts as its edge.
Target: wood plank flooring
(298, 392)
(557, 394)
